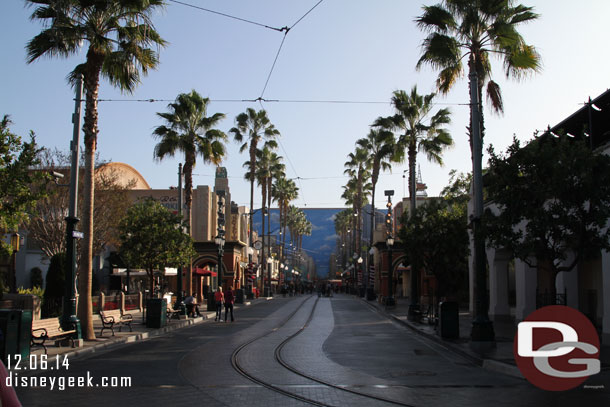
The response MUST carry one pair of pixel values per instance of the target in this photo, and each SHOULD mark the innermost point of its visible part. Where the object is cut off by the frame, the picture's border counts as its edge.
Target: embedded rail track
(278, 357)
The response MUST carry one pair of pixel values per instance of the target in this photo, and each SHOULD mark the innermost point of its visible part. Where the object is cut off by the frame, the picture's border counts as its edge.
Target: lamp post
(390, 243)
(69, 320)
(390, 300)
(360, 289)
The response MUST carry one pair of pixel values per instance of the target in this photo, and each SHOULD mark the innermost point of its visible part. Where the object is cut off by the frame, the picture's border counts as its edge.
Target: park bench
(110, 318)
(49, 328)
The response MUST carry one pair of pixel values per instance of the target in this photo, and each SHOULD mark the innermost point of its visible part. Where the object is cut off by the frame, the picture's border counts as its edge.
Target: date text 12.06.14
(37, 362)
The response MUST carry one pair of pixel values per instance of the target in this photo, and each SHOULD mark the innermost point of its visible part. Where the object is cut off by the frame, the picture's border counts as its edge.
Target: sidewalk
(498, 358)
(140, 332)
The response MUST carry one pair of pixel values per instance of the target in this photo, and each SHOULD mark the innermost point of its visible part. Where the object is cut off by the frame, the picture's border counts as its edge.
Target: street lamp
(390, 242)
(269, 262)
(390, 300)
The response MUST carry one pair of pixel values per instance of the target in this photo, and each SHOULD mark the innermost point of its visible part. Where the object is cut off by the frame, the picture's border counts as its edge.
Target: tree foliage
(436, 237)
(553, 200)
(47, 226)
(152, 238)
(17, 197)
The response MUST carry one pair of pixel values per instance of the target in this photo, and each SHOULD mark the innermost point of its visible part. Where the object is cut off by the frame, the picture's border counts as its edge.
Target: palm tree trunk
(188, 200)
(264, 259)
(412, 185)
(85, 275)
(269, 184)
(252, 178)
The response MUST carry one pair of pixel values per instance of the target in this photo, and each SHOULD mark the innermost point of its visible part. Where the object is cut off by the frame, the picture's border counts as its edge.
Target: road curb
(172, 326)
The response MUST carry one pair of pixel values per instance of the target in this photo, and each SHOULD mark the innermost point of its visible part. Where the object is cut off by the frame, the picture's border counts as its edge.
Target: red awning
(204, 272)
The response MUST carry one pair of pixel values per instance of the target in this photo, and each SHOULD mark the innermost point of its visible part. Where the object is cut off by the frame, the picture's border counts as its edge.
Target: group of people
(221, 299)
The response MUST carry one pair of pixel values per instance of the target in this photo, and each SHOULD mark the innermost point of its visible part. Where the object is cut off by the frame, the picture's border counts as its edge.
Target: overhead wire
(229, 16)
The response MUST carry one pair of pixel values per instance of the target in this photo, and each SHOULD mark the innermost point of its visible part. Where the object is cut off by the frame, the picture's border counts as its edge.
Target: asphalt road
(344, 342)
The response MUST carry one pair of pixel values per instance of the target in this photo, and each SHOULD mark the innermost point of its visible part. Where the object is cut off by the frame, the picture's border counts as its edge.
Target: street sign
(78, 235)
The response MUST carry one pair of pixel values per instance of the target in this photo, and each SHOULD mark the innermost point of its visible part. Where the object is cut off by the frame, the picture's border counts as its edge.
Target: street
(345, 343)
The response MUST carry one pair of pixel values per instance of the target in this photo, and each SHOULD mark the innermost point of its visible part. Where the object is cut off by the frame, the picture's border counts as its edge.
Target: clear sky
(344, 50)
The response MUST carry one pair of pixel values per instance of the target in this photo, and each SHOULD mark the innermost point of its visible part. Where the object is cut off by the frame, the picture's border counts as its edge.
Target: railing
(132, 301)
(546, 298)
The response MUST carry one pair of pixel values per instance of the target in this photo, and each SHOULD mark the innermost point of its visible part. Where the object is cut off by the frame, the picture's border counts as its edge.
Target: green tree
(18, 196)
(553, 203)
(417, 134)
(152, 239)
(436, 240)
(119, 37)
(55, 287)
(252, 128)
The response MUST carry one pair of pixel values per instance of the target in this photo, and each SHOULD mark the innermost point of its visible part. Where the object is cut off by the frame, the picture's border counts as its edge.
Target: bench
(49, 328)
(110, 318)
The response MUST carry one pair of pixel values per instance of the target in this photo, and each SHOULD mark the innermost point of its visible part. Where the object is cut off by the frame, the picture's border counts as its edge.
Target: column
(526, 282)
(498, 284)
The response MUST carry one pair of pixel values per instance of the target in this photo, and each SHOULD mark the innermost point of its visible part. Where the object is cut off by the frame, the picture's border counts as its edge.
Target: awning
(204, 272)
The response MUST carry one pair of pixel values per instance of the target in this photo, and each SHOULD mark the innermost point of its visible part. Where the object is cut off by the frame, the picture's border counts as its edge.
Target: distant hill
(322, 241)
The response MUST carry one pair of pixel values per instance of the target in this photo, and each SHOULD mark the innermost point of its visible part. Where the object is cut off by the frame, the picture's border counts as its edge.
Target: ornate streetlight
(390, 243)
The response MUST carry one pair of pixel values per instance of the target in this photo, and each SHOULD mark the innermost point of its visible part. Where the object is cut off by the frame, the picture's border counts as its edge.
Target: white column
(526, 281)
(498, 284)
(606, 298)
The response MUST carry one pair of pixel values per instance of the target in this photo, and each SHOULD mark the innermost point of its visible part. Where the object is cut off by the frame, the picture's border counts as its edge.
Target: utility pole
(69, 320)
(482, 327)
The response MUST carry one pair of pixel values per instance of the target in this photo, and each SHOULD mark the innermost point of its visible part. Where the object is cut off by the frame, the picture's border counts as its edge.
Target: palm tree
(474, 30)
(358, 168)
(284, 191)
(190, 131)
(460, 29)
(120, 38)
(251, 128)
(415, 135)
(381, 146)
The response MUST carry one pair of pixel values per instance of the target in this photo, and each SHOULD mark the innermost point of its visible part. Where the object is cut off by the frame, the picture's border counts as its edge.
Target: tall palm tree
(358, 168)
(119, 37)
(189, 130)
(474, 30)
(252, 128)
(381, 146)
(416, 135)
(459, 29)
(284, 191)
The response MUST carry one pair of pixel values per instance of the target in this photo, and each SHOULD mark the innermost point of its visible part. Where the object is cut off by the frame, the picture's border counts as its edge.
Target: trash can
(211, 302)
(449, 320)
(16, 331)
(156, 313)
(239, 296)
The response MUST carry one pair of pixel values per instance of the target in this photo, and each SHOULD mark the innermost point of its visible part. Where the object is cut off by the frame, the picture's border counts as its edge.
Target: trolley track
(278, 357)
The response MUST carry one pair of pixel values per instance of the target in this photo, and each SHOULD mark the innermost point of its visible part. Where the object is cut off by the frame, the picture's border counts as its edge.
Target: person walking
(219, 298)
(229, 301)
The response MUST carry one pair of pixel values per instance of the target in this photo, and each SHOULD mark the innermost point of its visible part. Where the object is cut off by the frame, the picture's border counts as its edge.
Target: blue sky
(353, 50)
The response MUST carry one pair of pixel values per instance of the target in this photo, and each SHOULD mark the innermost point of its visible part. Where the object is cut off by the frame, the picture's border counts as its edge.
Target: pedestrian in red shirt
(229, 301)
(219, 298)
